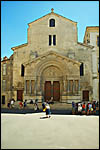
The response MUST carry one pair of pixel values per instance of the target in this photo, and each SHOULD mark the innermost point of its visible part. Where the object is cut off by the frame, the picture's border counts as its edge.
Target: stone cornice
(92, 28)
(52, 13)
(19, 46)
(52, 53)
(83, 44)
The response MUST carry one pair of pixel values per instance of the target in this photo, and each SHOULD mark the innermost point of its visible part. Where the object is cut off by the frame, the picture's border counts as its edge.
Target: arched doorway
(52, 78)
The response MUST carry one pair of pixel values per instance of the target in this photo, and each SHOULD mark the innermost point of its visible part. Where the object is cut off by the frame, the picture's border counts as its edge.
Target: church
(52, 64)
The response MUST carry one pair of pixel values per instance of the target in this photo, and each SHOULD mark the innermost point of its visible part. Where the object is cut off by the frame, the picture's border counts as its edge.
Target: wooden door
(86, 95)
(20, 95)
(56, 91)
(47, 90)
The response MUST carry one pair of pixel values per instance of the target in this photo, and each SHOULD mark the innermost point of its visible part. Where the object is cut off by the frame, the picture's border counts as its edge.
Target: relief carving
(52, 72)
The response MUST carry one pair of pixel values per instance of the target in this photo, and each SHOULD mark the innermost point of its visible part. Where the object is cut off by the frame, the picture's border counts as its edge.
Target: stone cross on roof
(52, 10)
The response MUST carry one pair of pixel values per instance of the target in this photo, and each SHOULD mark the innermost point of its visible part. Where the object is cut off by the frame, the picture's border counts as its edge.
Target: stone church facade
(51, 64)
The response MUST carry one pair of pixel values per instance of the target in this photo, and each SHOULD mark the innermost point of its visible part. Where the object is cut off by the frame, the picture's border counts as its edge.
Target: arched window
(52, 23)
(82, 69)
(22, 70)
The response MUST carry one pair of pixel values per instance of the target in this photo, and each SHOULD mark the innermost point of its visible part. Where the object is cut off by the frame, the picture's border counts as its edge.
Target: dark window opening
(52, 23)
(49, 39)
(54, 39)
(3, 99)
(98, 41)
(22, 70)
(81, 69)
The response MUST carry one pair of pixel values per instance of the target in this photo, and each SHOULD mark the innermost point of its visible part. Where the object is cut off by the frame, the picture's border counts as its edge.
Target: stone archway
(51, 85)
(51, 70)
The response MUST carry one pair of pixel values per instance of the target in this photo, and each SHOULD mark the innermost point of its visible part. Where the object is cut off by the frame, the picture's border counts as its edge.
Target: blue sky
(15, 16)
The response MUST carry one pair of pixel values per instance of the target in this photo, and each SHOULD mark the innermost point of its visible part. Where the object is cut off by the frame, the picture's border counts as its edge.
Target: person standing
(48, 112)
(73, 108)
(36, 105)
(8, 104)
(21, 104)
(83, 108)
(25, 103)
(12, 103)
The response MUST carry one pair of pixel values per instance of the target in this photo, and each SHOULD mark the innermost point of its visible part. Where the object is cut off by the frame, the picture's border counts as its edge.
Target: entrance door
(86, 95)
(56, 91)
(47, 90)
(20, 95)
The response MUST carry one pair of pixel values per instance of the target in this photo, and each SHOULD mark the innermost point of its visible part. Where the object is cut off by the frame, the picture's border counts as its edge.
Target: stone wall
(38, 57)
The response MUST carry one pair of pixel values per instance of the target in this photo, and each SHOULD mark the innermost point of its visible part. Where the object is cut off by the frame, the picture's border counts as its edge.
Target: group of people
(23, 104)
(11, 103)
(34, 102)
(84, 108)
(45, 105)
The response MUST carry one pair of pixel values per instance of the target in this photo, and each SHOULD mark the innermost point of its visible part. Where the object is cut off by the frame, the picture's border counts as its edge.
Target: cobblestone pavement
(28, 131)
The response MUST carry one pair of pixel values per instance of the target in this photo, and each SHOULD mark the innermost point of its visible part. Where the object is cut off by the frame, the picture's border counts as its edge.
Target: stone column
(73, 88)
(79, 92)
(64, 94)
(68, 85)
(79, 85)
(64, 83)
(38, 86)
(30, 87)
(35, 86)
(25, 87)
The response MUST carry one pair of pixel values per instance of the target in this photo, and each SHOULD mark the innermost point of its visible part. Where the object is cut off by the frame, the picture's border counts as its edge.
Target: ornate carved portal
(52, 77)
(51, 72)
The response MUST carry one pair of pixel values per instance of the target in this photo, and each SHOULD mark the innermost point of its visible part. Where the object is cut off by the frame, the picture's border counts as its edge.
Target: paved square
(28, 131)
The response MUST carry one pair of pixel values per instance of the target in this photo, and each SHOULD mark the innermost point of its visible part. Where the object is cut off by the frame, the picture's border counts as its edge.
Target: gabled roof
(51, 53)
(22, 45)
(16, 47)
(52, 13)
(6, 58)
